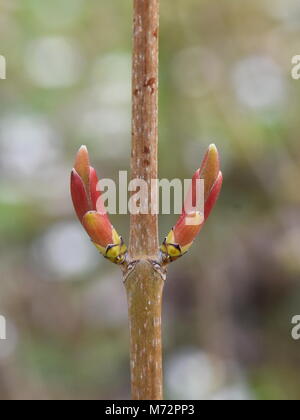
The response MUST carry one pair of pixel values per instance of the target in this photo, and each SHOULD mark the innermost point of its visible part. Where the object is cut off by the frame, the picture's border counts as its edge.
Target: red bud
(82, 165)
(213, 196)
(91, 212)
(79, 195)
(191, 221)
(98, 228)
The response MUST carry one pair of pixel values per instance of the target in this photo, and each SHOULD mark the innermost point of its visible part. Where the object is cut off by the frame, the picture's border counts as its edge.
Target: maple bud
(104, 236)
(191, 221)
(90, 209)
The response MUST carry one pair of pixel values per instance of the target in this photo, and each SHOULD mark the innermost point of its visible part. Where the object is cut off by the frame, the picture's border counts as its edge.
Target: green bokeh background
(225, 77)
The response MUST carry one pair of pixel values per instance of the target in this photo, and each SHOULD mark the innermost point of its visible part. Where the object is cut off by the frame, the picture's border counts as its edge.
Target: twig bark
(144, 292)
(144, 279)
(144, 227)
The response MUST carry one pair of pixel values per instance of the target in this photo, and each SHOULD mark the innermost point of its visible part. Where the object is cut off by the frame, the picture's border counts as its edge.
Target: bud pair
(93, 216)
(90, 209)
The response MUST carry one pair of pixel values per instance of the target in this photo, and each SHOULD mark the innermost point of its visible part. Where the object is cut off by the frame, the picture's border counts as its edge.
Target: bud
(104, 236)
(90, 209)
(181, 237)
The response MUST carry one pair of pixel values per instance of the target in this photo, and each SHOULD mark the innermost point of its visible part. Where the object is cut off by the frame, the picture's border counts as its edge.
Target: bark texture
(144, 277)
(144, 292)
(144, 227)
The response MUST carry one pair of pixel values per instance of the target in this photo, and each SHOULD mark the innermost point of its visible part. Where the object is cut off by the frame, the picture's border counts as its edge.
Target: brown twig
(144, 279)
(144, 228)
(144, 291)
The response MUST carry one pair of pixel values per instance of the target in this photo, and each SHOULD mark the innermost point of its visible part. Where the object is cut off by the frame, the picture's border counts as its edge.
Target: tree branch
(144, 227)
(143, 277)
(144, 294)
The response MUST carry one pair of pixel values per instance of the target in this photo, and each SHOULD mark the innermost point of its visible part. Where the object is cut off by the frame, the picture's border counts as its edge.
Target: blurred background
(225, 77)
